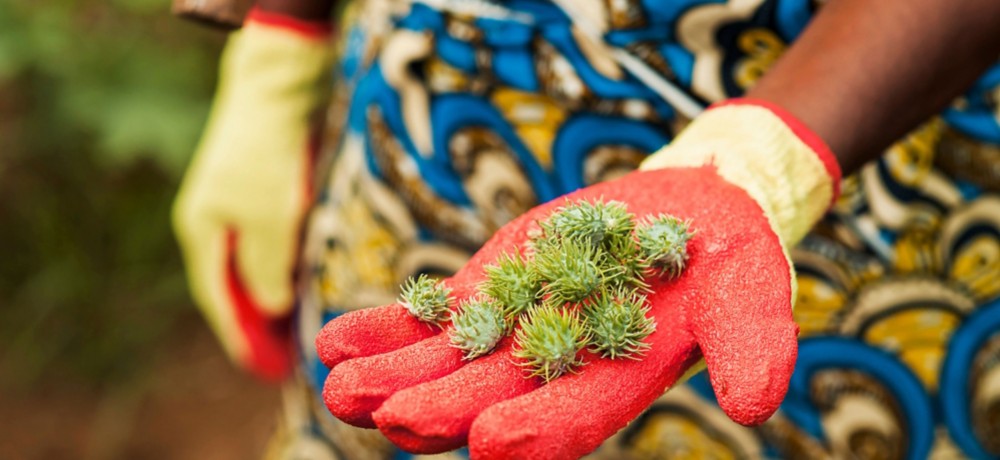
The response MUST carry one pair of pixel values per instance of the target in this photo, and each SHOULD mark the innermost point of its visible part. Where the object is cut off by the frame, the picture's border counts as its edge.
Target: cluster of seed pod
(582, 286)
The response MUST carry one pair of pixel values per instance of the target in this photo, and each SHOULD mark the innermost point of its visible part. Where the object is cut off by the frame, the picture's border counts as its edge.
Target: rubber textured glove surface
(731, 306)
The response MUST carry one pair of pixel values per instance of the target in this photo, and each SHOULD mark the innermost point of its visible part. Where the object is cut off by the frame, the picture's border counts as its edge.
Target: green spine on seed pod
(617, 323)
(477, 327)
(589, 254)
(549, 341)
(625, 265)
(426, 299)
(600, 224)
(572, 270)
(663, 242)
(513, 284)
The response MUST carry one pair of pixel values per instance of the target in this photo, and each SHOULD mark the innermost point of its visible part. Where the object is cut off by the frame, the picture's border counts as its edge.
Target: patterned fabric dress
(450, 117)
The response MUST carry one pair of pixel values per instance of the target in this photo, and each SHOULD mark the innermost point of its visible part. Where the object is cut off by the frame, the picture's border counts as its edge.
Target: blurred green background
(101, 105)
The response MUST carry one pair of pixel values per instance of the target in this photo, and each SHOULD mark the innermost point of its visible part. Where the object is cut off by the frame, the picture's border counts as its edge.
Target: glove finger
(373, 331)
(435, 417)
(265, 257)
(357, 387)
(750, 346)
(268, 336)
(572, 415)
(368, 332)
(259, 343)
(745, 327)
(750, 367)
(204, 247)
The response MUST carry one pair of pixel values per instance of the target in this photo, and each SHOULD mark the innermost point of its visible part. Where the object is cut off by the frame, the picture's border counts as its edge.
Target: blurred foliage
(101, 103)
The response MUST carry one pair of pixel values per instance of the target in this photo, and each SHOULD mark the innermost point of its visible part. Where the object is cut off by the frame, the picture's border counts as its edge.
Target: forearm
(230, 14)
(307, 10)
(866, 72)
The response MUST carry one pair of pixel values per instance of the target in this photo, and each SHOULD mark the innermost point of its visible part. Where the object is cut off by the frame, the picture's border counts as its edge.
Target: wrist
(813, 141)
(307, 10)
(759, 147)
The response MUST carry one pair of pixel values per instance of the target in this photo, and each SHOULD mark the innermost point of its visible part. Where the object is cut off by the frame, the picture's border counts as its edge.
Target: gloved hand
(751, 180)
(241, 204)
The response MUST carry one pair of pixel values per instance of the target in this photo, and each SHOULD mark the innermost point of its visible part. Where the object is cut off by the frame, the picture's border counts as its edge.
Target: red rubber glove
(731, 305)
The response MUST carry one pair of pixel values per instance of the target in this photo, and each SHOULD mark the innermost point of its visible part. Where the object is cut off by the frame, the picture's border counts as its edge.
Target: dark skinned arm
(230, 14)
(865, 72)
(307, 10)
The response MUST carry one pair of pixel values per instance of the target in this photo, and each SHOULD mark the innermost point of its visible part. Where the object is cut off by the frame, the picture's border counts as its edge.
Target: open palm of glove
(732, 306)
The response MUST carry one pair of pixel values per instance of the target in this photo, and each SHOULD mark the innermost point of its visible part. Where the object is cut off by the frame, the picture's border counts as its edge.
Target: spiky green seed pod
(426, 299)
(663, 241)
(513, 284)
(477, 327)
(597, 223)
(625, 265)
(572, 270)
(617, 323)
(549, 340)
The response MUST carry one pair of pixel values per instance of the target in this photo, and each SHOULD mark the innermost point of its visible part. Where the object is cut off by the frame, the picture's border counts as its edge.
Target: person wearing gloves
(453, 128)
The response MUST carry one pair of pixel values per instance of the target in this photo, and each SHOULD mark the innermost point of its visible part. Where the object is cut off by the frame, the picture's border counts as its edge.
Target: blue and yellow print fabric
(451, 117)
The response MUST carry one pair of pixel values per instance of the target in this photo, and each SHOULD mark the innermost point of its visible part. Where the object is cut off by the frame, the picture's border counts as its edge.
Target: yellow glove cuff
(272, 65)
(763, 150)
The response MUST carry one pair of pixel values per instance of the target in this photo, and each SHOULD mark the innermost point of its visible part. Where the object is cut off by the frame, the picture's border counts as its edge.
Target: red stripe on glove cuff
(309, 29)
